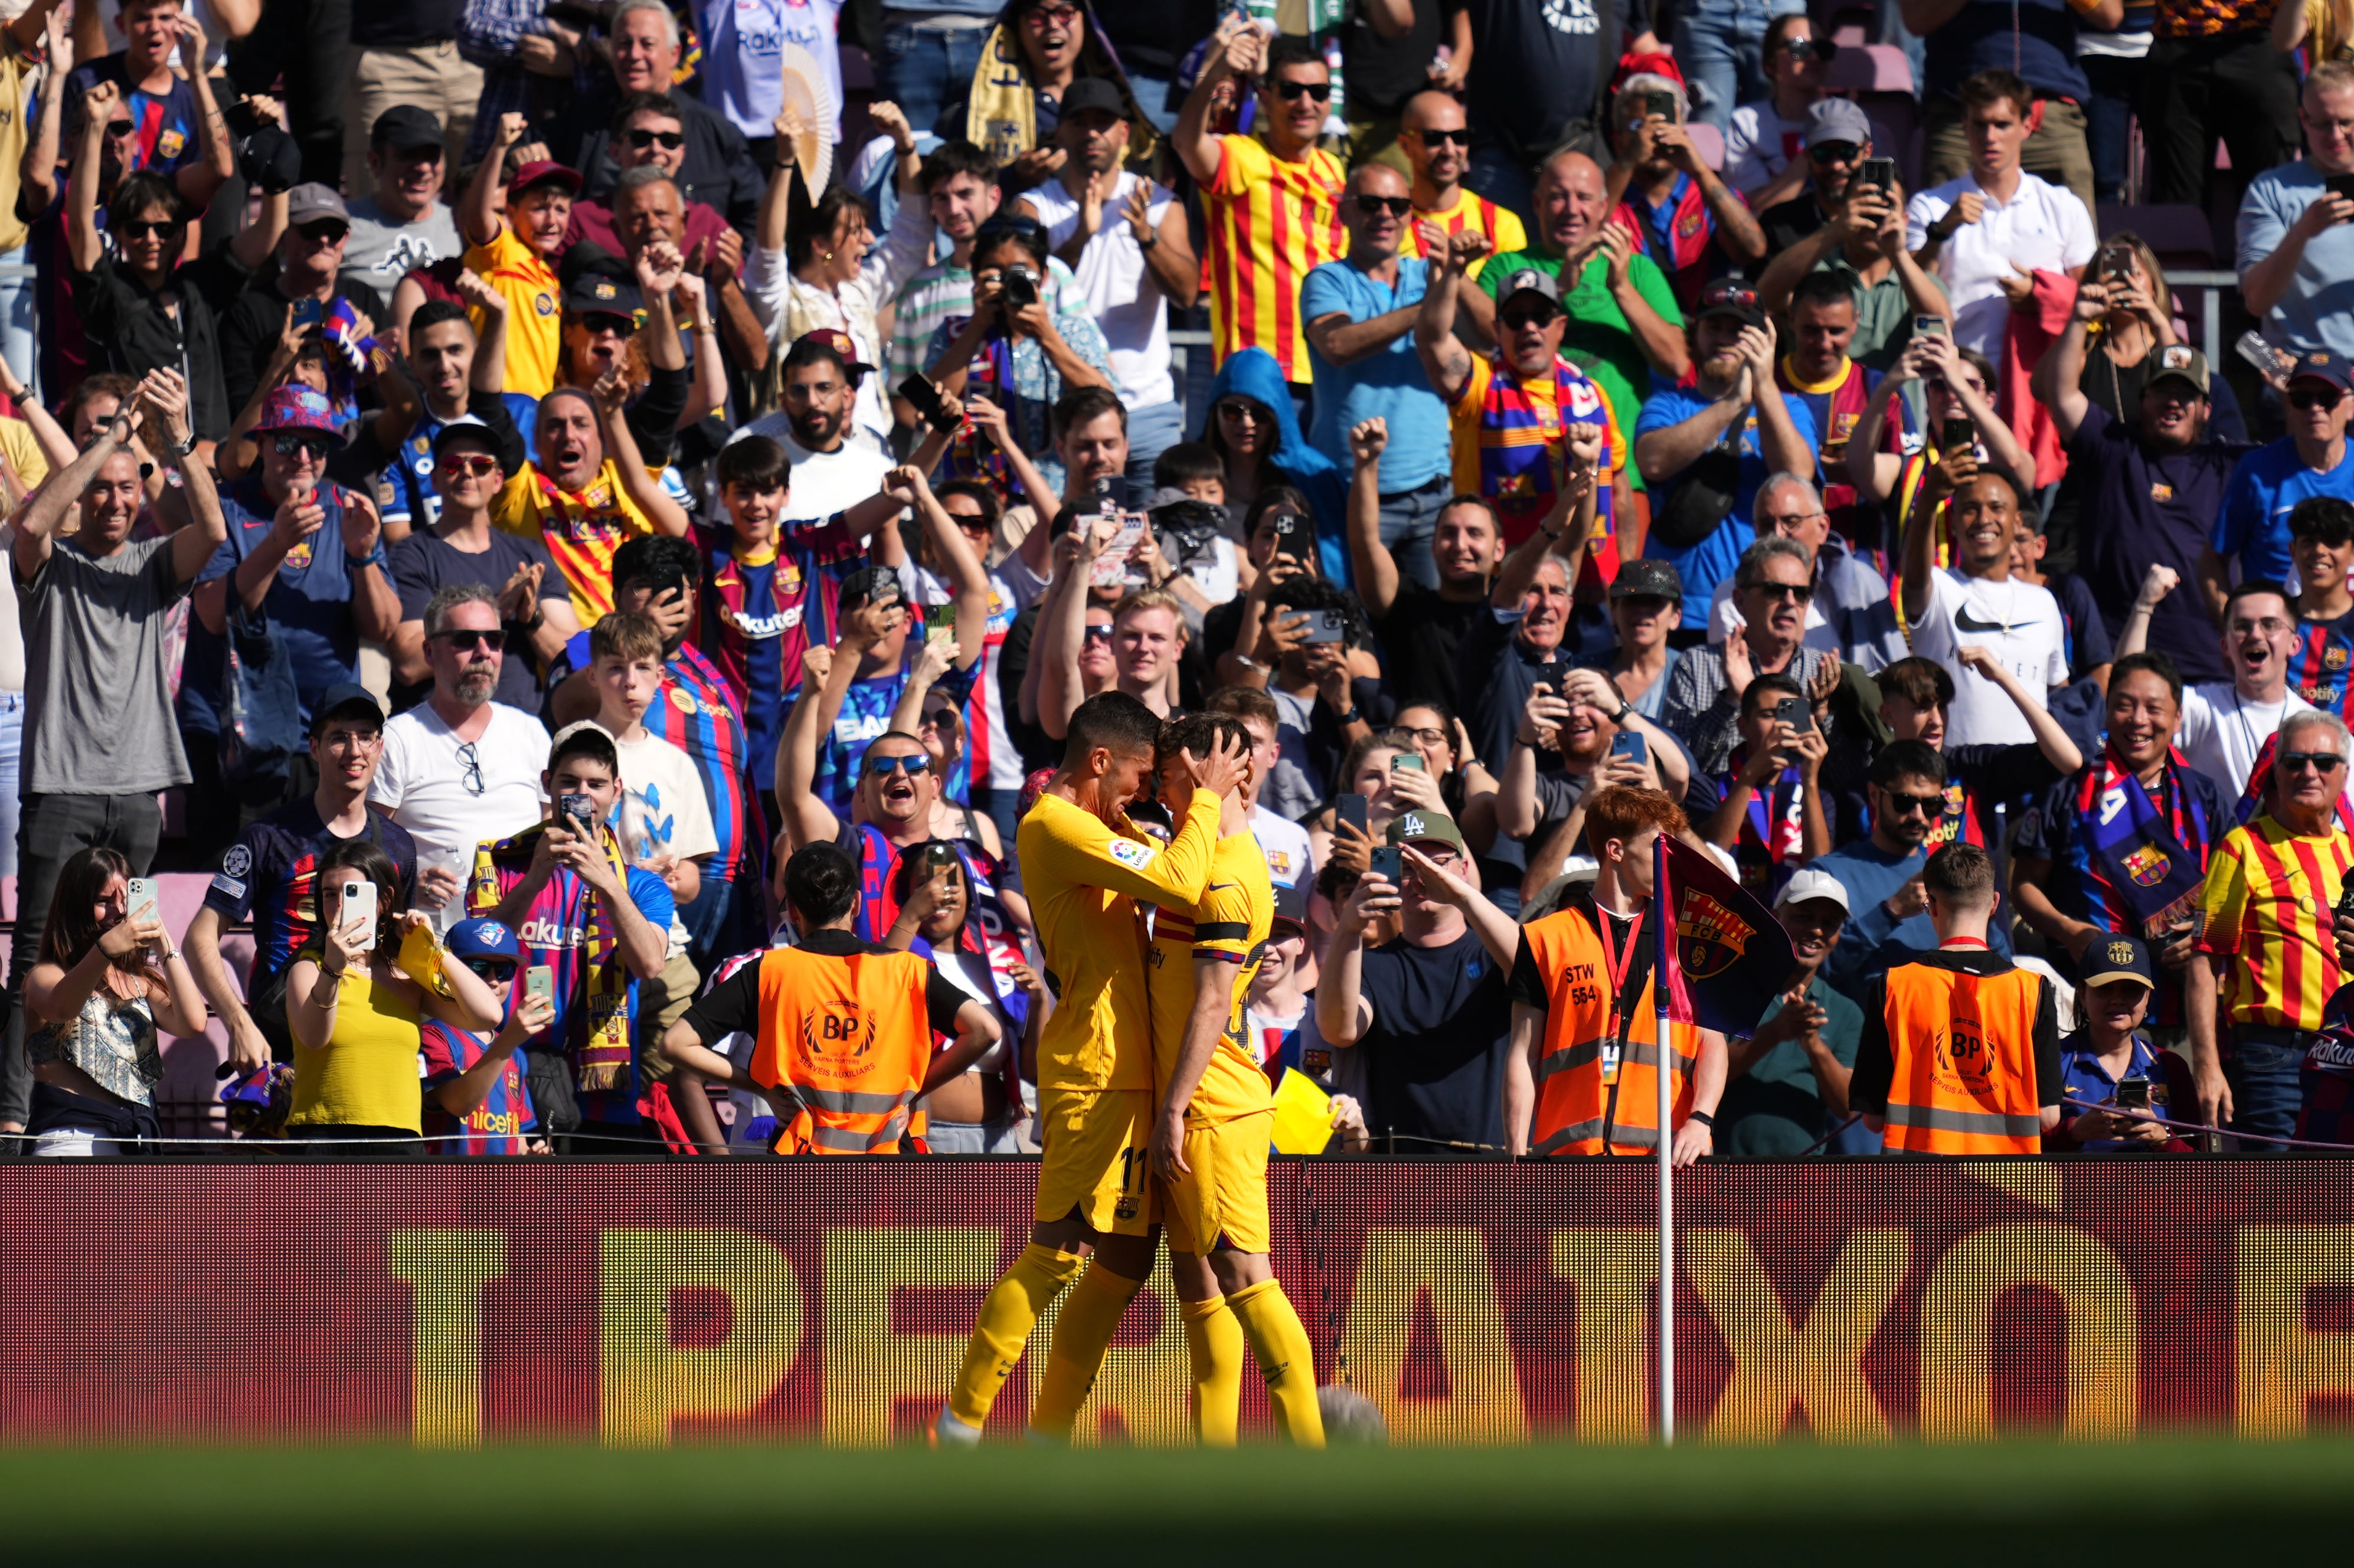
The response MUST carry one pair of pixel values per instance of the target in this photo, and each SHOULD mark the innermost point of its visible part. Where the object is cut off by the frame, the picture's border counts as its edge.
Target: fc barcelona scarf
(597, 1036)
(1773, 829)
(1520, 457)
(2148, 858)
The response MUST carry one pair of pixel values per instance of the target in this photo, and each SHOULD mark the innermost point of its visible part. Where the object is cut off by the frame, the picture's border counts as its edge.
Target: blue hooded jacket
(1253, 373)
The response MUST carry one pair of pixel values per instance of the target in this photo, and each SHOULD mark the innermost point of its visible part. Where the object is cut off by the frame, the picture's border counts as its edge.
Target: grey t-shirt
(381, 247)
(97, 690)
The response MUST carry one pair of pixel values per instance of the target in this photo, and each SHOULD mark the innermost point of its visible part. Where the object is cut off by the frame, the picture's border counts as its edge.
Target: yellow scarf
(1001, 116)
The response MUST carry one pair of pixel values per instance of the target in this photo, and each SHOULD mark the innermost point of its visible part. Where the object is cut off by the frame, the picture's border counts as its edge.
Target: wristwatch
(181, 449)
(1149, 241)
(1351, 717)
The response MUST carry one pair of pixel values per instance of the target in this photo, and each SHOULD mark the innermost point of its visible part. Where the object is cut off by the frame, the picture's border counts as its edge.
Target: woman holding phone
(940, 917)
(357, 1014)
(107, 978)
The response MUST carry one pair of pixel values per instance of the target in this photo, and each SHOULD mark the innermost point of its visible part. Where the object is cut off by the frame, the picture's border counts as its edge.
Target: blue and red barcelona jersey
(501, 1123)
(697, 712)
(164, 126)
(1838, 405)
(2327, 1078)
(268, 876)
(1676, 235)
(2318, 664)
(762, 610)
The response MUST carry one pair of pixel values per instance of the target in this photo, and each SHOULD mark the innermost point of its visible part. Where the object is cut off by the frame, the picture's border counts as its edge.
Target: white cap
(1809, 882)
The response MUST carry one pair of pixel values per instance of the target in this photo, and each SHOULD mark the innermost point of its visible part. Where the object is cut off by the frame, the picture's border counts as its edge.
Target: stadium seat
(1870, 67)
(2178, 233)
(1709, 142)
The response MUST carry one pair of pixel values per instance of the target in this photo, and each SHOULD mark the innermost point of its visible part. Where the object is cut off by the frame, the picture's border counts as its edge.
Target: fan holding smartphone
(1770, 811)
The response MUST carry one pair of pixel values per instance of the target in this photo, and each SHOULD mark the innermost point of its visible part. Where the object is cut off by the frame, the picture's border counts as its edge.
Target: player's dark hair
(1199, 733)
(755, 462)
(1960, 873)
(1924, 682)
(1824, 289)
(1115, 721)
(1187, 462)
(656, 561)
(1908, 760)
(2156, 664)
(950, 159)
(2323, 517)
(821, 884)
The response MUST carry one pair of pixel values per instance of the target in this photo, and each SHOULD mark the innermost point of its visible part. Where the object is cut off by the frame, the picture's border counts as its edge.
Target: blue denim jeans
(1409, 517)
(2265, 1091)
(1150, 432)
(20, 333)
(12, 751)
(1721, 45)
(925, 69)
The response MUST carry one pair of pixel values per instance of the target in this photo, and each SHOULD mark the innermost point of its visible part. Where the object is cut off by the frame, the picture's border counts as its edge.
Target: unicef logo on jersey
(1572, 17)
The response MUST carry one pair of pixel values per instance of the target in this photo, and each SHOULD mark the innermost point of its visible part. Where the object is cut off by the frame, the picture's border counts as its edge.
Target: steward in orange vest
(842, 1029)
(1580, 1077)
(1960, 1053)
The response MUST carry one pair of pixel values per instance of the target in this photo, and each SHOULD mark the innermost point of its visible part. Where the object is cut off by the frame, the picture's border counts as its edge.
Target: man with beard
(1085, 867)
(1888, 909)
(831, 473)
(458, 375)
(2128, 836)
(1978, 600)
(1270, 198)
(2227, 724)
(1785, 1084)
(1564, 751)
(268, 876)
(586, 492)
(1433, 134)
(2156, 483)
(1736, 402)
(459, 768)
(1361, 311)
(1124, 239)
(1772, 589)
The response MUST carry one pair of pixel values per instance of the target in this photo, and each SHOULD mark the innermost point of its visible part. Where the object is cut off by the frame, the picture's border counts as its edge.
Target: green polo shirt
(1598, 341)
(1774, 1110)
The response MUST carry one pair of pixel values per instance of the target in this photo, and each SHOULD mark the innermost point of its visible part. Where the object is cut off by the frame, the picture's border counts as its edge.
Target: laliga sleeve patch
(1134, 855)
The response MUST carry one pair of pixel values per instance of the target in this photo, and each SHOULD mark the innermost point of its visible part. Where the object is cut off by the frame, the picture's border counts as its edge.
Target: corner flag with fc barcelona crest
(1726, 956)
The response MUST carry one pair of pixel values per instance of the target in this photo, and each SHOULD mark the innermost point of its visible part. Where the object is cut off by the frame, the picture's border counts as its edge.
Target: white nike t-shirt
(2018, 623)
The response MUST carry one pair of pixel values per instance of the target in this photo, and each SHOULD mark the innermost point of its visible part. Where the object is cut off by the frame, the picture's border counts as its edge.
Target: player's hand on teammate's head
(1222, 771)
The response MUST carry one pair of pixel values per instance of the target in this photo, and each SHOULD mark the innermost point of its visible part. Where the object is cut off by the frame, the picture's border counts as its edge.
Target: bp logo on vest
(834, 1042)
(1962, 1051)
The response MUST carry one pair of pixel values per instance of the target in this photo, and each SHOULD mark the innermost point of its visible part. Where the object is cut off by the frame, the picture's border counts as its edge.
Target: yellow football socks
(1011, 1311)
(1215, 1340)
(1286, 1359)
(1082, 1334)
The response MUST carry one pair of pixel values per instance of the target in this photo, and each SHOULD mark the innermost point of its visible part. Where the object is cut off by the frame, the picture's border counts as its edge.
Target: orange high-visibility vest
(844, 1045)
(1963, 1049)
(1574, 1073)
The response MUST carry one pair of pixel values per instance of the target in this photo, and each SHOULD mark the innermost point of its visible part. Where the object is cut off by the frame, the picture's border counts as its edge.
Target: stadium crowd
(491, 483)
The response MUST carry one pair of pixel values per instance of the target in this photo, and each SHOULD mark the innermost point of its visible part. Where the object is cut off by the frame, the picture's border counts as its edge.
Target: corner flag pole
(1663, 920)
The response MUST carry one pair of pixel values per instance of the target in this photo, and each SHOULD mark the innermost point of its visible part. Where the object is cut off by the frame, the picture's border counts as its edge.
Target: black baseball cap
(878, 585)
(601, 294)
(404, 126)
(1093, 92)
(2119, 957)
(346, 699)
(1732, 297)
(1643, 578)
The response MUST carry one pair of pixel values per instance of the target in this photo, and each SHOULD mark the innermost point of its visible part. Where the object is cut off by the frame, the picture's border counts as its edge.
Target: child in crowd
(476, 1099)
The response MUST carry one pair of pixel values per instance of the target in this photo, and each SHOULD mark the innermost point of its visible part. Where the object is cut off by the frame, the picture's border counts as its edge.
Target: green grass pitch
(2007, 1503)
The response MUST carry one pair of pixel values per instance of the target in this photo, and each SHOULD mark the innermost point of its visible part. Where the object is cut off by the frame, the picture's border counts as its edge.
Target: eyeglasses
(1099, 633)
(468, 462)
(302, 443)
(326, 231)
(118, 129)
(1429, 737)
(2311, 397)
(1043, 15)
(1788, 520)
(1372, 205)
(351, 740)
(938, 719)
(428, 153)
(1456, 138)
(1834, 152)
(1539, 317)
(598, 322)
(1243, 408)
(2270, 626)
(466, 639)
(912, 764)
(2319, 762)
(1321, 92)
(1010, 223)
(492, 968)
(1799, 592)
(471, 762)
(1900, 804)
(668, 141)
(163, 230)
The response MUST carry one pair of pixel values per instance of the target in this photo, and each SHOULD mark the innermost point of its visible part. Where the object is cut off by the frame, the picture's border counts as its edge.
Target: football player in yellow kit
(1209, 1131)
(1085, 867)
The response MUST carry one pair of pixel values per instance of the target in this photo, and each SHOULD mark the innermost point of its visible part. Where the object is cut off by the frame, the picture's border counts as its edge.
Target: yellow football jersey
(1084, 883)
(1231, 920)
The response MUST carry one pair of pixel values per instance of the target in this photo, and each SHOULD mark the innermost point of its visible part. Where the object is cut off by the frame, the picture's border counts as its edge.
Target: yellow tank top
(366, 1075)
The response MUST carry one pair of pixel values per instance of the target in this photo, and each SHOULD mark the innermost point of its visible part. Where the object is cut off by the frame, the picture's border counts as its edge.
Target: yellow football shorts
(1223, 1197)
(1094, 1159)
